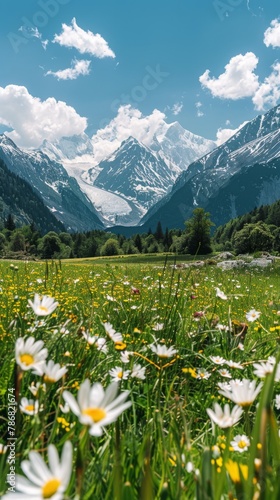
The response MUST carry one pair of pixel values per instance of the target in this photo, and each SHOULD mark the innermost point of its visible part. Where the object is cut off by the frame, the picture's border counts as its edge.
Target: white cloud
(272, 34)
(33, 120)
(78, 68)
(45, 44)
(30, 32)
(238, 80)
(128, 122)
(268, 93)
(85, 42)
(199, 112)
(177, 108)
(223, 134)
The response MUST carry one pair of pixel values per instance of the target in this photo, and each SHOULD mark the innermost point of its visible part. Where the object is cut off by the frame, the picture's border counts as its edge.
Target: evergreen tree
(10, 223)
(159, 232)
(138, 242)
(199, 232)
(167, 240)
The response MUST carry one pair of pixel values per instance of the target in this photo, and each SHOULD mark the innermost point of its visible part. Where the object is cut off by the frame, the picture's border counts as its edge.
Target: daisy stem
(222, 475)
(247, 424)
(18, 380)
(118, 473)
(81, 461)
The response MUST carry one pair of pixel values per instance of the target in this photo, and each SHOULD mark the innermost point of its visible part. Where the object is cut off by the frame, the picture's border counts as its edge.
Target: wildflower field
(139, 381)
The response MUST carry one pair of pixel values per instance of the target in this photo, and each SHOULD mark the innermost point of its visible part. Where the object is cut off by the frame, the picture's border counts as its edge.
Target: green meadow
(185, 337)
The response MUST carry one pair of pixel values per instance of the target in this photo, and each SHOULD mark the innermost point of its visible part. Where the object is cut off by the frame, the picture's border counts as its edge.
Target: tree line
(258, 230)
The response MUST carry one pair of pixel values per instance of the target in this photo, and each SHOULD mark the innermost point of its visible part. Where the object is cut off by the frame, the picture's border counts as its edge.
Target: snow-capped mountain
(179, 147)
(134, 172)
(257, 142)
(123, 179)
(60, 193)
(68, 148)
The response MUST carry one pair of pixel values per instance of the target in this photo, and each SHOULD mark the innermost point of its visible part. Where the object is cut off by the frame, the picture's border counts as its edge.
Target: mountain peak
(5, 140)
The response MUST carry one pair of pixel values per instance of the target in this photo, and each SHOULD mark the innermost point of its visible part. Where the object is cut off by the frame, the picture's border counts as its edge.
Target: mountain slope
(251, 187)
(60, 193)
(134, 172)
(18, 198)
(68, 148)
(179, 148)
(257, 142)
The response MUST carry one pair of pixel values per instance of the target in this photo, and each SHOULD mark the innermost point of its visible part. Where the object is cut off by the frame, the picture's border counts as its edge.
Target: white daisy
(110, 298)
(162, 351)
(98, 342)
(158, 326)
(220, 294)
(224, 417)
(96, 407)
(224, 386)
(53, 372)
(43, 306)
(44, 481)
(125, 356)
(224, 373)
(119, 374)
(252, 315)
(277, 401)
(138, 371)
(218, 360)
(29, 406)
(30, 355)
(234, 364)
(243, 395)
(263, 369)
(111, 332)
(222, 328)
(202, 374)
(240, 443)
(34, 388)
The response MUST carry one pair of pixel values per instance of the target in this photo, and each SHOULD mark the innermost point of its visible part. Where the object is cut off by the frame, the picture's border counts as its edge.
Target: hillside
(18, 198)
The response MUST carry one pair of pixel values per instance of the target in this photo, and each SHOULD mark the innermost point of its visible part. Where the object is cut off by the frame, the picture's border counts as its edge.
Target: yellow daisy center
(26, 359)
(242, 444)
(50, 488)
(96, 414)
(245, 404)
(49, 380)
(29, 408)
(43, 308)
(120, 375)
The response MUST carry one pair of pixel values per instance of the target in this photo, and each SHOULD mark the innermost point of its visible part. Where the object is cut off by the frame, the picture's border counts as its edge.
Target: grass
(164, 446)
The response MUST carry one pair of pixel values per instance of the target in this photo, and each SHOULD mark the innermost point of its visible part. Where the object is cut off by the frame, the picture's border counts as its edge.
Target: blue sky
(58, 78)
